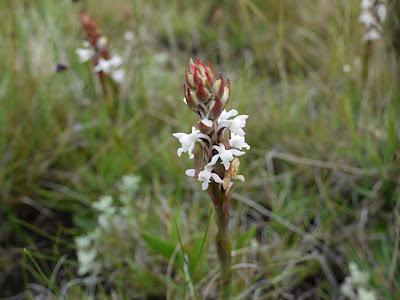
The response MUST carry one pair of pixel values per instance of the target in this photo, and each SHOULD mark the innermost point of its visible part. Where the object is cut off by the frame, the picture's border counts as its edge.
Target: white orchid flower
(118, 75)
(236, 124)
(237, 141)
(84, 54)
(188, 141)
(108, 65)
(372, 35)
(205, 176)
(225, 155)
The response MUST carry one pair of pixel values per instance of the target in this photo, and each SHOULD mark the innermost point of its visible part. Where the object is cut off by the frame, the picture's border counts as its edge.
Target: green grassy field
(322, 174)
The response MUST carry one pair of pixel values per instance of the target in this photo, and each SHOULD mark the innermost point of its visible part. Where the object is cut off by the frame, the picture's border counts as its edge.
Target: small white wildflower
(129, 36)
(205, 176)
(367, 19)
(367, 4)
(102, 42)
(83, 241)
(116, 61)
(236, 124)
(129, 183)
(381, 12)
(84, 54)
(118, 75)
(237, 141)
(346, 68)
(103, 65)
(188, 141)
(104, 221)
(356, 283)
(108, 65)
(365, 294)
(225, 155)
(372, 35)
(347, 290)
(104, 203)
(86, 259)
(358, 276)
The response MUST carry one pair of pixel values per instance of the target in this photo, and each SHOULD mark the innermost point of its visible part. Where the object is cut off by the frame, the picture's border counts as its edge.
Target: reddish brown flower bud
(189, 99)
(189, 80)
(216, 109)
(204, 93)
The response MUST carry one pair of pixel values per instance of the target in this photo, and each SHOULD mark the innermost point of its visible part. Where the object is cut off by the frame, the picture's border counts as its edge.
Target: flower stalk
(215, 143)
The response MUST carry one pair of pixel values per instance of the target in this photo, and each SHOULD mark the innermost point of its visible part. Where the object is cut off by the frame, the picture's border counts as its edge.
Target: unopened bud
(205, 126)
(189, 80)
(202, 93)
(216, 86)
(102, 42)
(216, 109)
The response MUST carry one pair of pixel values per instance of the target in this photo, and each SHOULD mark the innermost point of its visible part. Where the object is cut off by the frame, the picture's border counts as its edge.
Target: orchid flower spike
(219, 133)
(96, 50)
(373, 16)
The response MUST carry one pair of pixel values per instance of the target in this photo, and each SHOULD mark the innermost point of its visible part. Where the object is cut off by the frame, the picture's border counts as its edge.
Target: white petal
(226, 164)
(102, 42)
(225, 115)
(190, 172)
(116, 61)
(84, 55)
(214, 159)
(179, 152)
(204, 185)
(178, 135)
(216, 178)
(190, 150)
(118, 75)
(207, 122)
(237, 152)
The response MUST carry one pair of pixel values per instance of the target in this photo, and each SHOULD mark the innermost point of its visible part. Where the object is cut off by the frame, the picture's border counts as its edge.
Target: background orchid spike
(96, 49)
(373, 15)
(219, 133)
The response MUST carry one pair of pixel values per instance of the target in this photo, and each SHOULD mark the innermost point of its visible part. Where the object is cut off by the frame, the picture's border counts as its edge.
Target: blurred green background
(322, 175)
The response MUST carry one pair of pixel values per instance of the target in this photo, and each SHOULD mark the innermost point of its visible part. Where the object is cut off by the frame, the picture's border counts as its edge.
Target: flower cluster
(96, 50)
(355, 285)
(114, 217)
(373, 15)
(218, 138)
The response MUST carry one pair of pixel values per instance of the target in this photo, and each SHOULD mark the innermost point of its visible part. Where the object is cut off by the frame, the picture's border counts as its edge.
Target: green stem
(365, 64)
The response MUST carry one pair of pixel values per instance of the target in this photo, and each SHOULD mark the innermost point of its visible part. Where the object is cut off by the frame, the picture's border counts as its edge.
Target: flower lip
(225, 155)
(236, 124)
(237, 141)
(205, 175)
(84, 54)
(188, 141)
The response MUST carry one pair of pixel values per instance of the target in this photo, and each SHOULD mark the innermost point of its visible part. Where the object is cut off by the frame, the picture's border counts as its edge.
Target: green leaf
(244, 239)
(158, 245)
(196, 254)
